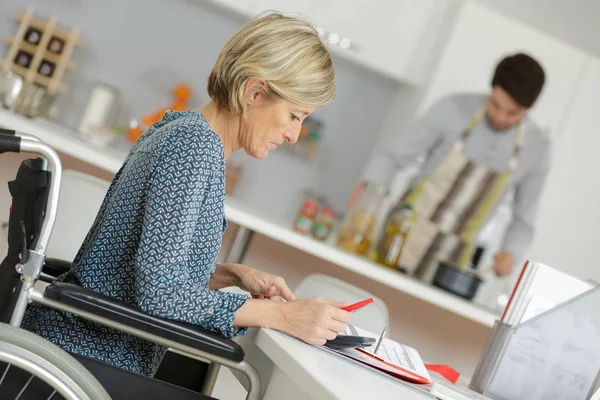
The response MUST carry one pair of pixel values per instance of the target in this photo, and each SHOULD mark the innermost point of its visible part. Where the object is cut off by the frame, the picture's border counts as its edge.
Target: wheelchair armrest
(104, 306)
(56, 267)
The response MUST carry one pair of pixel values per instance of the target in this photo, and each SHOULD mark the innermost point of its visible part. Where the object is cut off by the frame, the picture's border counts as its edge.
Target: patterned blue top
(154, 245)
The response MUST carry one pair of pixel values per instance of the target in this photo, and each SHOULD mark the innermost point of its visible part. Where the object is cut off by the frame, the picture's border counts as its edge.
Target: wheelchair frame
(31, 270)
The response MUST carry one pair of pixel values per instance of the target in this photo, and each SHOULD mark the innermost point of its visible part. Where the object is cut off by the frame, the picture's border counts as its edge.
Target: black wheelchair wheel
(32, 368)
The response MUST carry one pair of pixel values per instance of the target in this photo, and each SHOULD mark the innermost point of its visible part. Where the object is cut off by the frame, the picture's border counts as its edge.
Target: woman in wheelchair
(156, 238)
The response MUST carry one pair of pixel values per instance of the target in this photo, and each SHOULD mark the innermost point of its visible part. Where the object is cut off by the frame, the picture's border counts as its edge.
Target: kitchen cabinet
(244, 7)
(482, 37)
(300, 7)
(386, 36)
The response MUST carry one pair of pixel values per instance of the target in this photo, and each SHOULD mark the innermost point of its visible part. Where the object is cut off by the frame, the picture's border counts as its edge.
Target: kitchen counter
(110, 159)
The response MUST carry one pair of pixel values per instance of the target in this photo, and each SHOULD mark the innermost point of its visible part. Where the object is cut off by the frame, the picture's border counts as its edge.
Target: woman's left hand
(260, 284)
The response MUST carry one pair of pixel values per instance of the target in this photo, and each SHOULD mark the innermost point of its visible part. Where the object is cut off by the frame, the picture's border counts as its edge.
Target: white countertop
(109, 159)
(329, 377)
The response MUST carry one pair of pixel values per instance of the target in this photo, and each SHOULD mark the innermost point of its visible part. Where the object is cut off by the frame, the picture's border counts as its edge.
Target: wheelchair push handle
(15, 141)
(9, 132)
(9, 142)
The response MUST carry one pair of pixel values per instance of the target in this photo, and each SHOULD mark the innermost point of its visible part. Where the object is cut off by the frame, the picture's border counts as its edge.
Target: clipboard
(379, 363)
(396, 359)
(423, 389)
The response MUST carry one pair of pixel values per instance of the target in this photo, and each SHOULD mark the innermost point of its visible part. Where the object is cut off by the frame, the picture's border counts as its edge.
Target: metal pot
(454, 280)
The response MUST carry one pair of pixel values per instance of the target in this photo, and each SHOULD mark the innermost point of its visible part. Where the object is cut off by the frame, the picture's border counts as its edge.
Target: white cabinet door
(567, 229)
(384, 34)
(481, 38)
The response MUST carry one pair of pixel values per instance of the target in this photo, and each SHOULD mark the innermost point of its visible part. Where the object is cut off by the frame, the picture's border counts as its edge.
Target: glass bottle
(358, 227)
(397, 228)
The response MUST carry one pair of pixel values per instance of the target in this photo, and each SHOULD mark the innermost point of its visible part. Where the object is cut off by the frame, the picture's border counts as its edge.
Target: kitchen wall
(575, 22)
(569, 216)
(145, 47)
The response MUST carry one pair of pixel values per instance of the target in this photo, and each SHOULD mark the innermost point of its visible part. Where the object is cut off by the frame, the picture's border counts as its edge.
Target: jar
(306, 216)
(397, 226)
(358, 227)
(324, 223)
(100, 109)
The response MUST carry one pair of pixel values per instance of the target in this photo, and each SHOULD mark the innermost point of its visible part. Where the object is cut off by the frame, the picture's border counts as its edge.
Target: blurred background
(113, 67)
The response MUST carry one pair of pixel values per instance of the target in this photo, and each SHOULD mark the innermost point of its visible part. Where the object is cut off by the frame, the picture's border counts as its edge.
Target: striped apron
(451, 207)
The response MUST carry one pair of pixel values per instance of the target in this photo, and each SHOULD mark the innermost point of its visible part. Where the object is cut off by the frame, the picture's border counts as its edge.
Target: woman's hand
(260, 284)
(314, 320)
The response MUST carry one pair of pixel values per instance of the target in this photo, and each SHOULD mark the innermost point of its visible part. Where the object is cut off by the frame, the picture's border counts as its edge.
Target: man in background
(477, 148)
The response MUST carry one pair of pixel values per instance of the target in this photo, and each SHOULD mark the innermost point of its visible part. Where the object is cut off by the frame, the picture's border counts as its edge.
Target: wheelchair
(31, 367)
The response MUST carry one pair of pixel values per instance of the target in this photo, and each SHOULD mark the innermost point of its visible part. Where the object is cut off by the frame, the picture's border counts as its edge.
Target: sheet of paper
(554, 356)
(540, 289)
(392, 352)
(549, 288)
(516, 299)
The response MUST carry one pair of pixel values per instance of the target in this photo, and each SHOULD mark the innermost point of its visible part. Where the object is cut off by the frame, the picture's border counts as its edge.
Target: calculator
(350, 342)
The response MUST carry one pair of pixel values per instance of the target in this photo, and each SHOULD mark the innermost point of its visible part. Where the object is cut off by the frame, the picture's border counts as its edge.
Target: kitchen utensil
(454, 280)
(350, 342)
(100, 110)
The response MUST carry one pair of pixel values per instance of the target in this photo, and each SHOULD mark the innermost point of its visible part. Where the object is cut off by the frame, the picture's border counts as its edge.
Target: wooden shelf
(48, 55)
(40, 51)
(41, 25)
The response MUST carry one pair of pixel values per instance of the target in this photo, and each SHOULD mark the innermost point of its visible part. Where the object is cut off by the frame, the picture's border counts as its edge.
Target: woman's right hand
(314, 320)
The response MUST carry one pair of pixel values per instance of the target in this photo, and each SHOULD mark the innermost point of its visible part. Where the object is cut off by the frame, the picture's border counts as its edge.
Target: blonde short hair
(284, 51)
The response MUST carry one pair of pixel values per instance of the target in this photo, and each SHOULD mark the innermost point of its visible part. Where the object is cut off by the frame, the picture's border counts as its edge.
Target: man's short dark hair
(521, 77)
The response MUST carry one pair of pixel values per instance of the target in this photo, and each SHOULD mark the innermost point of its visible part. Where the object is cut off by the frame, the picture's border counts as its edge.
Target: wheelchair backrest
(29, 193)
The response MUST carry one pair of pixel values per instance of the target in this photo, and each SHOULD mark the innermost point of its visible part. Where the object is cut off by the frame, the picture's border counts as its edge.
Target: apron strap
(472, 124)
(514, 159)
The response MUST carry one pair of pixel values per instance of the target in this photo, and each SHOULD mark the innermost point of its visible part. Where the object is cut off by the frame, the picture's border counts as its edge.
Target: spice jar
(323, 223)
(306, 216)
(313, 139)
(358, 227)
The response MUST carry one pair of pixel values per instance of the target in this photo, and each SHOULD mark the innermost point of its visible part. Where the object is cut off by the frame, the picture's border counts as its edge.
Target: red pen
(359, 305)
